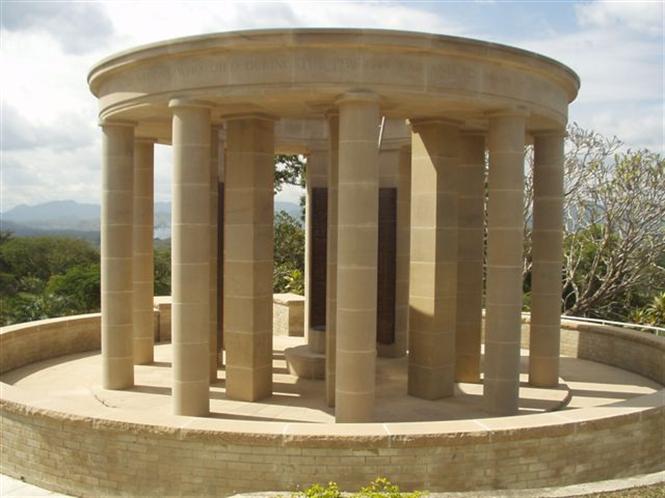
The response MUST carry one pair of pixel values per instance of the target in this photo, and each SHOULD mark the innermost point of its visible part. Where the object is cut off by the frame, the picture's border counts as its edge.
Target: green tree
(614, 228)
(162, 271)
(7, 280)
(289, 255)
(43, 277)
(75, 291)
(32, 261)
(289, 169)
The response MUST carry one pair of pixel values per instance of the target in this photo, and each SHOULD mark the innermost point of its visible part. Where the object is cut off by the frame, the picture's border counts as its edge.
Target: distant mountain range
(79, 220)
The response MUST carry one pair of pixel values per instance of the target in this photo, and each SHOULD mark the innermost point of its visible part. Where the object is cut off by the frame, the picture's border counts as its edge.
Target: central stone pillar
(315, 249)
(471, 245)
(547, 237)
(248, 257)
(331, 257)
(504, 263)
(190, 259)
(402, 259)
(214, 246)
(357, 257)
(433, 270)
(116, 255)
(144, 334)
(387, 342)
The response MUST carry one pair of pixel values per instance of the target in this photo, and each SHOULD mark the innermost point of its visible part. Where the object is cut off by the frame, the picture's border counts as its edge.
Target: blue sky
(50, 145)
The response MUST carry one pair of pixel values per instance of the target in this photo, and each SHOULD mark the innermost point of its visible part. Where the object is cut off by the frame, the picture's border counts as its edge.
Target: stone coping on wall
(648, 339)
(287, 298)
(21, 401)
(404, 434)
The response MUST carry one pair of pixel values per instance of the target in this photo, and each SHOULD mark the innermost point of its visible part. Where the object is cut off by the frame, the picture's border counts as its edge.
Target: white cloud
(78, 27)
(45, 96)
(617, 51)
(51, 148)
(290, 193)
(41, 174)
(645, 17)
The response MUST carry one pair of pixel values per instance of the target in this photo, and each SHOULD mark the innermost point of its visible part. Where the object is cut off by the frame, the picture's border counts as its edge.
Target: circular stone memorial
(388, 365)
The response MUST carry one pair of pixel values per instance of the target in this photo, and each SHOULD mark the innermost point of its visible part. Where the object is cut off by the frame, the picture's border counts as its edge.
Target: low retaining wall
(288, 315)
(63, 448)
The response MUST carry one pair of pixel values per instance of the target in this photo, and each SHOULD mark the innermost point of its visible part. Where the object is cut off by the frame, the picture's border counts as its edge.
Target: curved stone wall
(57, 446)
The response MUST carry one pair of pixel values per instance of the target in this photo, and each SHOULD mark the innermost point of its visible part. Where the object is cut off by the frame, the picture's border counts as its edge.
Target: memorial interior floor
(77, 378)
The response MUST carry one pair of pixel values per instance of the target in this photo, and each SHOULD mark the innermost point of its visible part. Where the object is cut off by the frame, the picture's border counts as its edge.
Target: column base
(431, 383)
(117, 373)
(353, 407)
(143, 351)
(544, 372)
(248, 384)
(467, 368)
(501, 397)
(213, 366)
(191, 399)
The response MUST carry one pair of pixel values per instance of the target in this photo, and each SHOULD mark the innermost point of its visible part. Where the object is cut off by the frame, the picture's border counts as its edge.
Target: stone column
(331, 257)
(433, 270)
(315, 276)
(470, 254)
(503, 301)
(547, 251)
(190, 259)
(116, 255)
(248, 257)
(143, 273)
(403, 251)
(356, 257)
(214, 207)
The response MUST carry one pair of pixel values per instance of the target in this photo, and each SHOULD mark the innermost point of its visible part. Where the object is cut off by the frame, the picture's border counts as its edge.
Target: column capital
(331, 113)
(106, 122)
(252, 115)
(419, 122)
(516, 112)
(558, 132)
(145, 140)
(467, 132)
(357, 97)
(185, 102)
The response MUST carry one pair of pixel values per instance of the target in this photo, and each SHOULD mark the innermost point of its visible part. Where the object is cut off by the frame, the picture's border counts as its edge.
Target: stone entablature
(270, 71)
(185, 455)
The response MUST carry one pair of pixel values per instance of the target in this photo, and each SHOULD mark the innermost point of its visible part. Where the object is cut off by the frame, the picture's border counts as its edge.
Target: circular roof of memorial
(302, 72)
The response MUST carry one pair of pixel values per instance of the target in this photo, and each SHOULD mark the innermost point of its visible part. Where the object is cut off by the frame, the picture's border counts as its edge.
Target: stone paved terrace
(76, 378)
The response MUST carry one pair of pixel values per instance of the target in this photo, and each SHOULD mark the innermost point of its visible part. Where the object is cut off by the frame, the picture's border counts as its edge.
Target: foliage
(651, 314)
(614, 229)
(319, 491)
(77, 290)
(289, 169)
(379, 488)
(44, 277)
(382, 487)
(162, 265)
(27, 263)
(289, 255)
